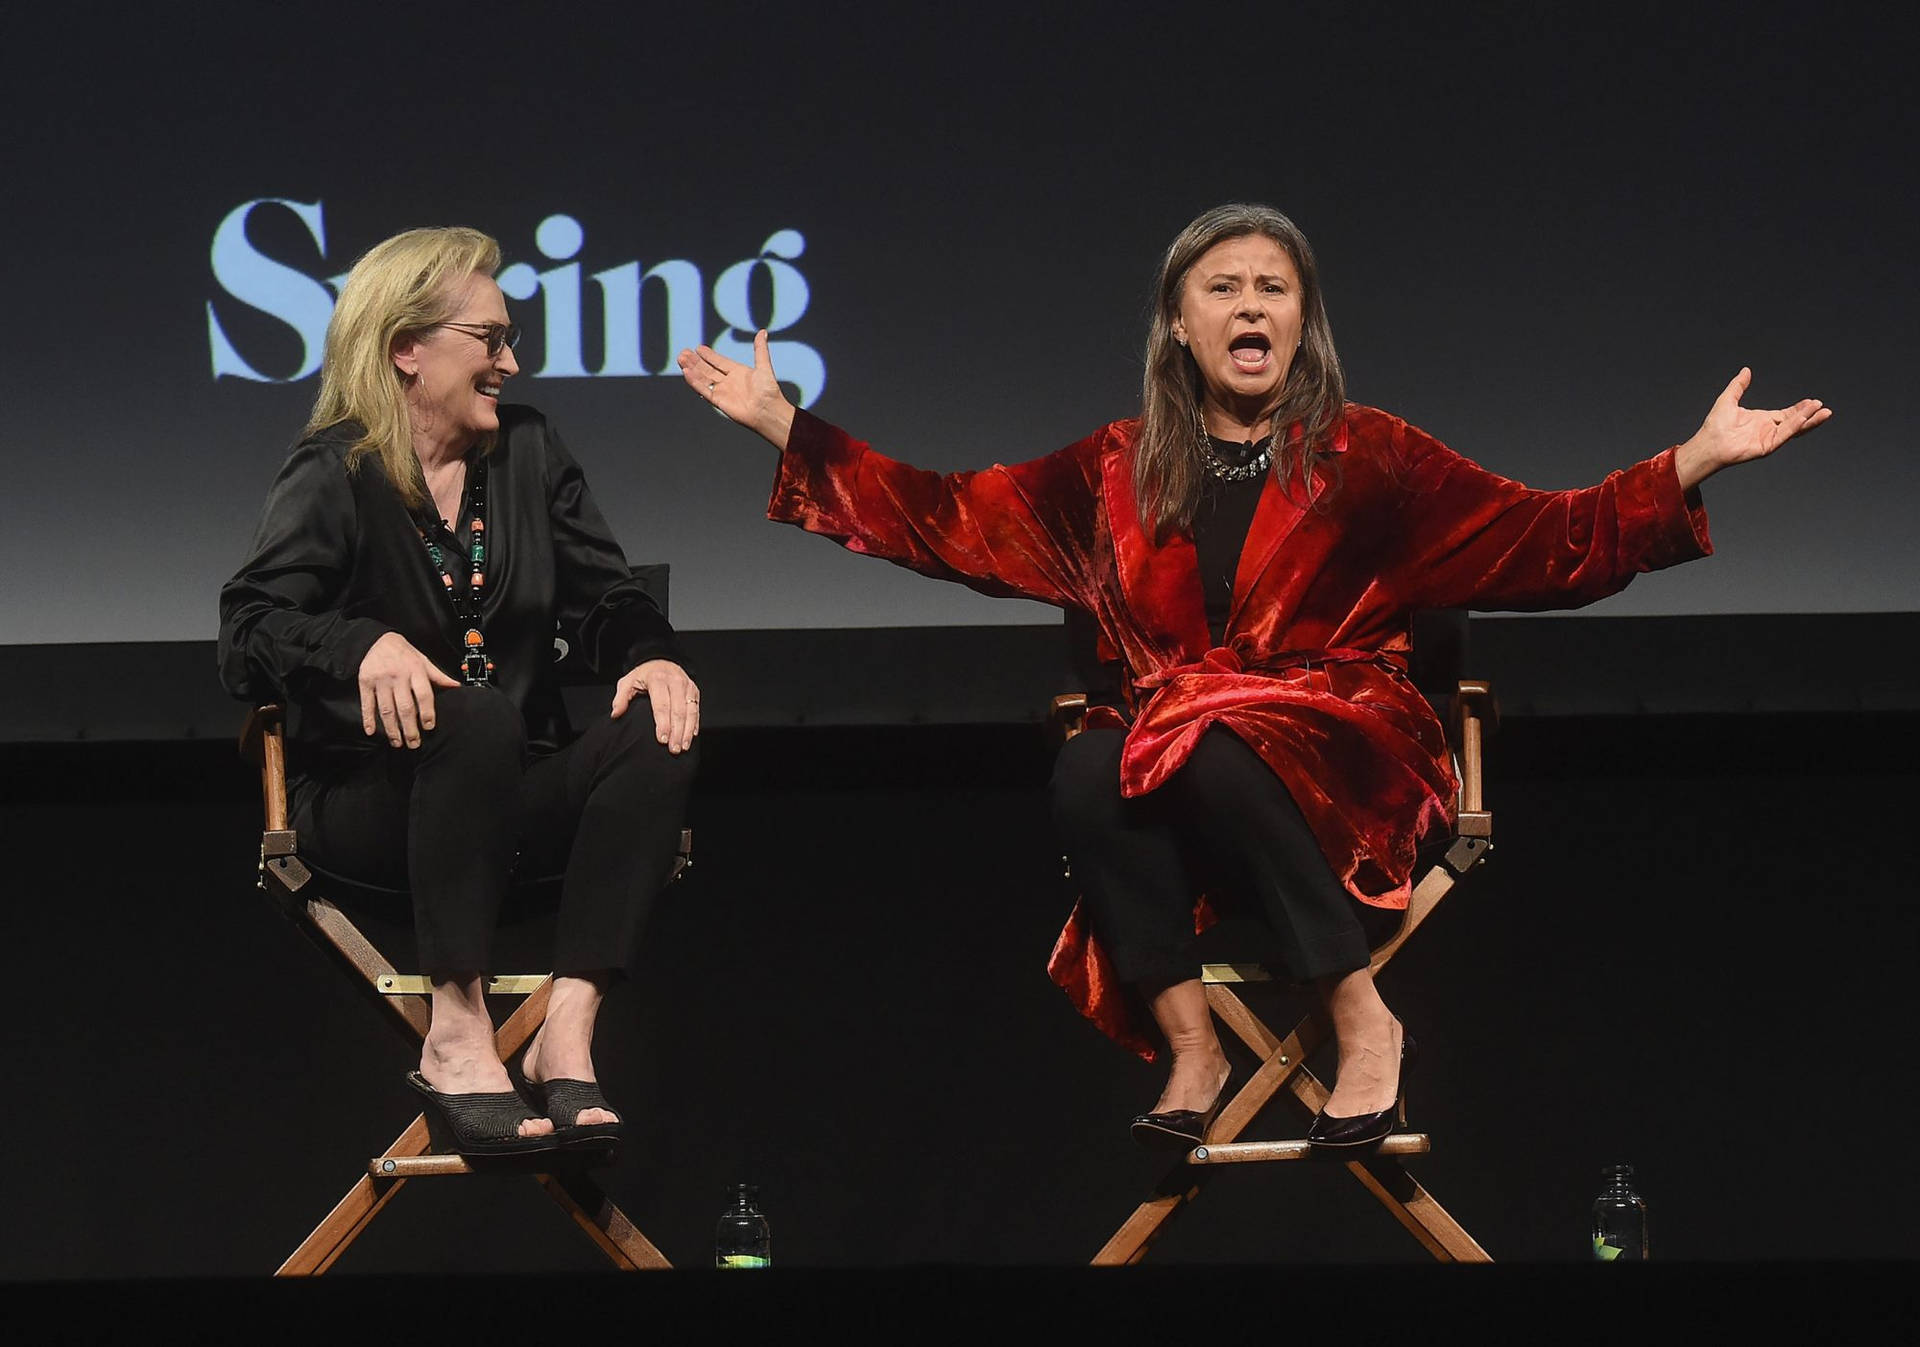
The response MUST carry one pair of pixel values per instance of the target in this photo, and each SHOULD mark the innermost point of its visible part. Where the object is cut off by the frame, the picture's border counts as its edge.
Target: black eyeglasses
(495, 335)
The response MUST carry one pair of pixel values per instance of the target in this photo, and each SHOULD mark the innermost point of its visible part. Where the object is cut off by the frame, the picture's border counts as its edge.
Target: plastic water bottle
(742, 1239)
(1619, 1219)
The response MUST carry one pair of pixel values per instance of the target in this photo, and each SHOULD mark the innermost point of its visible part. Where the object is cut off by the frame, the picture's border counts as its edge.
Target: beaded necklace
(475, 666)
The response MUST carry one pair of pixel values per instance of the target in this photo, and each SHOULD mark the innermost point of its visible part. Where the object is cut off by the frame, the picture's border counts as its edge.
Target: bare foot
(1200, 1068)
(454, 1061)
(1368, 1079)
(563, 1049)
(1195, 1081)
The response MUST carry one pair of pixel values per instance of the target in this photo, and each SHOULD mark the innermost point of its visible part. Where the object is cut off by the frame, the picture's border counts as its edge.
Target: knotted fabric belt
(1177, 704)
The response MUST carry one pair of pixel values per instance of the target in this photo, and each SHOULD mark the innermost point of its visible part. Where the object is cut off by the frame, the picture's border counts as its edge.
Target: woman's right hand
(750, 396)
(396, 690)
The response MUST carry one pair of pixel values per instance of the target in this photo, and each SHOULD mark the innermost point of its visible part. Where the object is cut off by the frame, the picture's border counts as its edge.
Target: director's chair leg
(1129, 1243)
(602, 1222)
(1395, 1189)
(354, 1212)
(1280, 1061)
(1413, 1206)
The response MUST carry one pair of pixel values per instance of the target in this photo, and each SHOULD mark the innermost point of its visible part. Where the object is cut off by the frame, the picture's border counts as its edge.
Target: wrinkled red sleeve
(1474, 539)
(1024, 531)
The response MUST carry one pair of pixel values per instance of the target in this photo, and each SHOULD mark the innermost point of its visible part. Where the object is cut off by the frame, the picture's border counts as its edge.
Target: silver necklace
(1218, 467)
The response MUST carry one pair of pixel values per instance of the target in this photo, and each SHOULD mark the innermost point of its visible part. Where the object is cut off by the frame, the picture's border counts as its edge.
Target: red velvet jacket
(1313, 670)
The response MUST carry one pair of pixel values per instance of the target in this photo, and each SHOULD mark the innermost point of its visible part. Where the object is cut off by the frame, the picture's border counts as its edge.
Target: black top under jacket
(1221, 522)
(337, 563)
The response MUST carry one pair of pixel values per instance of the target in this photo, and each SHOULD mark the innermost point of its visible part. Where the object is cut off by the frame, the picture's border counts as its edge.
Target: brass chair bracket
(280, 842)
(288, 873)
(1465, 853)
(418, 984)
(1218, 973)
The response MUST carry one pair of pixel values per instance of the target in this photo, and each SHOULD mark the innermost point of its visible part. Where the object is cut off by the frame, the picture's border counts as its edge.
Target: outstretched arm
(1024, 530)
(1474, 539)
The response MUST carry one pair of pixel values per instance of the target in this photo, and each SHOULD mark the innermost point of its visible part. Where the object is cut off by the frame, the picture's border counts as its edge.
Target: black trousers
(1221, 824)
(447, 820)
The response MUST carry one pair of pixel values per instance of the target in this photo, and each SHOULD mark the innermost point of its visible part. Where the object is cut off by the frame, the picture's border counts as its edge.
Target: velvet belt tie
(1179, 702)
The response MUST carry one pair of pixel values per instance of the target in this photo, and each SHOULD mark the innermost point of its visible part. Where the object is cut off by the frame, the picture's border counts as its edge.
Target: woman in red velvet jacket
(1251, 550)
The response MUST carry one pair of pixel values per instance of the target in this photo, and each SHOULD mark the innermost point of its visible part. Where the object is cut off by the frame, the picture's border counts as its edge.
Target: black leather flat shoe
(1179, 1129)
(1365, 1129)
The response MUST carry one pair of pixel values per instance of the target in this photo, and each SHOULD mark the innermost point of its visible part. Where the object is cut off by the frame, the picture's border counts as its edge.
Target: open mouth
(1251, 352)
(488, 388)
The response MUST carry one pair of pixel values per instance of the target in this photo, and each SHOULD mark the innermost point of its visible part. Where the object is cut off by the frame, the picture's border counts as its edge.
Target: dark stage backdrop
(1548, 238)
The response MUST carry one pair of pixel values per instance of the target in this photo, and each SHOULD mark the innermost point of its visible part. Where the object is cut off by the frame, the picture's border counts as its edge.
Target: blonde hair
(407, 284)
(1166, 462)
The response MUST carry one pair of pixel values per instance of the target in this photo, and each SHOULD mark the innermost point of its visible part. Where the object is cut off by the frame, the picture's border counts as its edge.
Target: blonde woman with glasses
(402, 593)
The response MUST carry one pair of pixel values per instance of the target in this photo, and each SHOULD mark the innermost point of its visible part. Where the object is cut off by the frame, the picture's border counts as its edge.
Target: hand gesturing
(750, 396)
(1734, 434)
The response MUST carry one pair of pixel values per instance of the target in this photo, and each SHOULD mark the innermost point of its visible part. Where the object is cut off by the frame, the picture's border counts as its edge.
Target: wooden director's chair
(299, 888)
(1467, 708)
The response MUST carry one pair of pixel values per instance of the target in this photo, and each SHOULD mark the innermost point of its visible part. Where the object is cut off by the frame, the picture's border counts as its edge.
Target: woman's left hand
(676, 701)
(748, 395)
(1733, 434)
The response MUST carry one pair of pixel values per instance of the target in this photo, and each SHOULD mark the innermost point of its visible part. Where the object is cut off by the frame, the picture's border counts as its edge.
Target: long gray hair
(1166, 462)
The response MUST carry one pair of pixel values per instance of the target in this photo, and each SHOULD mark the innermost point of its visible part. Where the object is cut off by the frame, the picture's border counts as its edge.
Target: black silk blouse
(337, 563)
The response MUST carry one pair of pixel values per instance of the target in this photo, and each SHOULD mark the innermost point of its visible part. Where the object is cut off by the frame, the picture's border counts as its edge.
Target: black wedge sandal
(480, 1124)
(564, 1100)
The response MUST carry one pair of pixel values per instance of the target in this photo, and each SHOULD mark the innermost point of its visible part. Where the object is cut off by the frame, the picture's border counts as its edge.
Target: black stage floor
(1716, 1302)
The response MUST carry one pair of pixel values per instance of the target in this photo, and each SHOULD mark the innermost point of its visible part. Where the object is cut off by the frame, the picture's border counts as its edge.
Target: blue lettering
(559, 237)
(620, 301)
(622, 287)
(273, 288)
(306, 304)
(798, 363)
